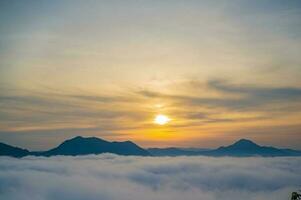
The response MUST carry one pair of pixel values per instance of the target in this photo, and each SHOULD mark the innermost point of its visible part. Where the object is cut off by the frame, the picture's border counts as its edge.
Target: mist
(109, 177)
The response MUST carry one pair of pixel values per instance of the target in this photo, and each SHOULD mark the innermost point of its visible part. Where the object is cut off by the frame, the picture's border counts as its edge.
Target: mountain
(246, 147)
(241, 148)
(92, 145)
(79, 146)
(7, 150)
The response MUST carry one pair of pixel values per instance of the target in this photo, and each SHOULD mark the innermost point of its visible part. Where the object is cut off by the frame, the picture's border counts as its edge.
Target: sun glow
(161, 119)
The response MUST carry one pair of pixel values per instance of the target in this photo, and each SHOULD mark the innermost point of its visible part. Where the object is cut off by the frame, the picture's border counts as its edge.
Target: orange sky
(220, 71)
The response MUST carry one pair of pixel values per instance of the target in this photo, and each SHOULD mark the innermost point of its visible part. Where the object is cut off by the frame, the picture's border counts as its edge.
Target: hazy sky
(220, 70)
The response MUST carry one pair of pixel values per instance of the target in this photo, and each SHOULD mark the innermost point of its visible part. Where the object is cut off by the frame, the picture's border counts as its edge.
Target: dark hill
(241, 148)
(7, 150)
(246, 147)
(92, 145)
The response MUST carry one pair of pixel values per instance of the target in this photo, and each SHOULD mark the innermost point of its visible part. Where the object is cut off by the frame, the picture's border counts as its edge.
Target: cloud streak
(109, 177)
(247, 96)
(213, 103)
(109, 70)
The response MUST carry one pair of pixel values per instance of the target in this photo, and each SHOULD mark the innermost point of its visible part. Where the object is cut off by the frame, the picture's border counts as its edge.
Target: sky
(219, 70)
(148, 178)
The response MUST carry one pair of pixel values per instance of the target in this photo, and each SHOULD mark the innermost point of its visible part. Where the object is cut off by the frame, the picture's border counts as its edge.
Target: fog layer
(108, 177)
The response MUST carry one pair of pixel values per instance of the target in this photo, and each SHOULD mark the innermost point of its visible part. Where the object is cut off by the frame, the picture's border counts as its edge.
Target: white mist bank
(112, 177)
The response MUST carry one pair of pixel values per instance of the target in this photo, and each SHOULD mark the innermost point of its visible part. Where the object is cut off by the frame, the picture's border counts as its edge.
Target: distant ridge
(80, 146)
(7, 150)
(246, 147)
(92, 145)
(174, 151)
(241, 148)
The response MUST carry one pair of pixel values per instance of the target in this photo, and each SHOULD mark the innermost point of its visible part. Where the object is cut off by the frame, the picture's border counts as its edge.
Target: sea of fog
(112, 177)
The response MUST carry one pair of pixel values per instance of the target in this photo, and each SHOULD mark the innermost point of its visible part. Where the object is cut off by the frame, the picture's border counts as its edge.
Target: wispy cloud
(110, 69)
(247, 96)
(213, 103)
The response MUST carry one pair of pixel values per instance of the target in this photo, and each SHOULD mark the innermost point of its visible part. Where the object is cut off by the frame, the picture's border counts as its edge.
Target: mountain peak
(244, 143)
(241, 147)
(84, 139)
(77, 138)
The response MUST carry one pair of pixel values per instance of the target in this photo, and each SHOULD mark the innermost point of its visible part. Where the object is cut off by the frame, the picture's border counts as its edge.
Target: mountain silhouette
(92, 145)
(241, 148)
(246, 147)
(7, 150)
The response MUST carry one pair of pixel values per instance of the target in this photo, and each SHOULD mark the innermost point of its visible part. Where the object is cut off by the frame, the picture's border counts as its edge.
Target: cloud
(258, 95)
(109, 177)
(232, 97)
(54, 108)
(194, 106)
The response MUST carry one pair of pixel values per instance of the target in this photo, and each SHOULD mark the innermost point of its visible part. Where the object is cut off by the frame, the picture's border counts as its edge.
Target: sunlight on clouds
(128, 115)
(212, 67)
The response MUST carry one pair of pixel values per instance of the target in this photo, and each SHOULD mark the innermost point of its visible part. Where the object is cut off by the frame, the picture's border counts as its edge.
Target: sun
(161, 119)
